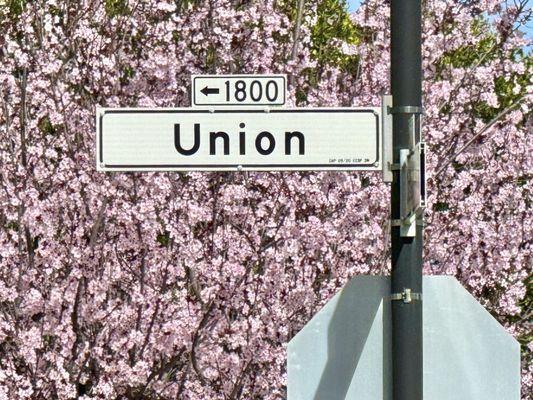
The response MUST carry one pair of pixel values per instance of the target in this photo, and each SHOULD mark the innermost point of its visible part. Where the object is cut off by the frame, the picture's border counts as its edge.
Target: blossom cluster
(189, 286)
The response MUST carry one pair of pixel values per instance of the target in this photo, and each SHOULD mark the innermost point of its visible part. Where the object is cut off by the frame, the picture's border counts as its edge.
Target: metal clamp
(394, 166)
(406, 296)
(405, 110)
(407, 221)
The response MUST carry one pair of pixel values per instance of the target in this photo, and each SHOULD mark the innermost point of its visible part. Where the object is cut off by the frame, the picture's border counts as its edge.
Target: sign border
(193, 92)
(102, 112)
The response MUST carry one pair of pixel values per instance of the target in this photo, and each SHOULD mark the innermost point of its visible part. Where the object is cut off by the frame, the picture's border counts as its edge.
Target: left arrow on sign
(207, 90)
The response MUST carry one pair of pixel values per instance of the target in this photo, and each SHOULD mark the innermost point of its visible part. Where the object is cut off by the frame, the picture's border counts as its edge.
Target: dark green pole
(406, 81)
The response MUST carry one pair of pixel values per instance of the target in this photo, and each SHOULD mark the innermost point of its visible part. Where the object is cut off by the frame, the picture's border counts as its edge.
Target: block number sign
(241, 90)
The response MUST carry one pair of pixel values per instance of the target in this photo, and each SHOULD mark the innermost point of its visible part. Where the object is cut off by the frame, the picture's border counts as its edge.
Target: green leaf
(115, 8)
(333, 25)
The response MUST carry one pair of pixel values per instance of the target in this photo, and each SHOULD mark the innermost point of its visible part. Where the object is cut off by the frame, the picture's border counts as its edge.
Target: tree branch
(296, 35)
(483, 130)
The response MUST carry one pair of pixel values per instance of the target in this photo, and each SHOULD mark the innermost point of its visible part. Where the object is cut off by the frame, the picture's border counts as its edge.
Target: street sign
(239, 90)
(345, 351)
(194, 139)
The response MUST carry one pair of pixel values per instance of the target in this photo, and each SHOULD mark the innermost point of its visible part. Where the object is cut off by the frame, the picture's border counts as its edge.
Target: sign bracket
(413, 192)
(386, 123)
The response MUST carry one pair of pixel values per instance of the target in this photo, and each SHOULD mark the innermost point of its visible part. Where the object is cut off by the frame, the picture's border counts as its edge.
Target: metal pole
(406, 81)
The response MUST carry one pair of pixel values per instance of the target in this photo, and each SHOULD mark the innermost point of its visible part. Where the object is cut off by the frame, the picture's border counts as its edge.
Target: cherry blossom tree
(189, 286)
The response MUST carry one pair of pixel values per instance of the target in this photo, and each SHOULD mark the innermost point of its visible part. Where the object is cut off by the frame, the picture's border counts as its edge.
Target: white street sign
(193, 139)
(240, 90)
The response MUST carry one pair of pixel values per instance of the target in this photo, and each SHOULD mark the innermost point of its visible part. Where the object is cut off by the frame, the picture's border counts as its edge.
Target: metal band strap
(399, 222)
(407, 296)
(394, 167)
(405, 110)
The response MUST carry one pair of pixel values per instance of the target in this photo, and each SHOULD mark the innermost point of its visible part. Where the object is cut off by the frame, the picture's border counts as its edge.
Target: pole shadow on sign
(343, 363)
